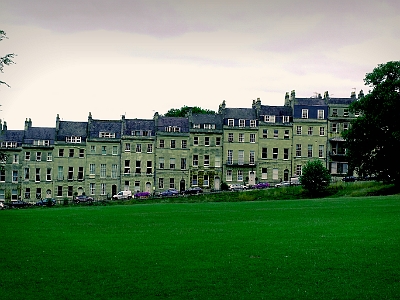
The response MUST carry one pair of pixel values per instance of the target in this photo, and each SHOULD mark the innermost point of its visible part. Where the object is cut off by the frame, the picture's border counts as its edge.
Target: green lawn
(337, 248)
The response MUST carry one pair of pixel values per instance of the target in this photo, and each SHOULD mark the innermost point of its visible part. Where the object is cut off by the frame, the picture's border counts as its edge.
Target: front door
(113, 190)
(182, 186)
(148, 187)
(217, 183)
(252, 178)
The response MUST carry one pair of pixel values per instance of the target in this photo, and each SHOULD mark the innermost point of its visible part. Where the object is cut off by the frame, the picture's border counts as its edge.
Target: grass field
(337, 248)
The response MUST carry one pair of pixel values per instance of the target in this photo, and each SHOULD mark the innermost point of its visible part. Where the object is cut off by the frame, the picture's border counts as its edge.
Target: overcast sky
(137, 57)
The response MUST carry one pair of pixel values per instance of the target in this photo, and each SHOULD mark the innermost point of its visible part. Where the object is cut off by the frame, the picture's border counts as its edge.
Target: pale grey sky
(137, 57)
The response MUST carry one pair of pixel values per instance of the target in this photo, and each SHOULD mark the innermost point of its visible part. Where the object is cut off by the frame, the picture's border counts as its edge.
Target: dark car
(18, 204)
(261, 185)
(169, 192)
(193, 191)
(83, 198)
(349, 179)
(141, 195)
(46, 202)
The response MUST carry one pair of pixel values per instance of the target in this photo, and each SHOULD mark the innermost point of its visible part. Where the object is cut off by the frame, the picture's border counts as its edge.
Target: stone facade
(237, 145)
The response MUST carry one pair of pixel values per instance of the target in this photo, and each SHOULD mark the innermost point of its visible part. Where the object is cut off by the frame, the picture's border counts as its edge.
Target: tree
(7, 59)
(4, 61)
(315, 177)
(373, 138)
(182, 112)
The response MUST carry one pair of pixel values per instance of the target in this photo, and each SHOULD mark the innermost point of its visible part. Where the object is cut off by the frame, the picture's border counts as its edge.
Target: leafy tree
(315, 177)
(182, 112)
(7, 59)
(373, 139)
(4, 61)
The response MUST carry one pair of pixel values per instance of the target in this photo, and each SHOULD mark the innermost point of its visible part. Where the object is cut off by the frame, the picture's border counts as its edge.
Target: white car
(237, 187)
(123, 195)
(282, 184)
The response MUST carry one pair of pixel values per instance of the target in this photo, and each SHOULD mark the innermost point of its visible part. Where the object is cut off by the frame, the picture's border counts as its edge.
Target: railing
(240, 163)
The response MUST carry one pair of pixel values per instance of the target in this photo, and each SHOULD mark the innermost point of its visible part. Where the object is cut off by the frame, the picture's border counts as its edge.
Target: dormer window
(9, 144)
(241, 123)
(253, 123)
(196, 126)
(269, 119)
(286, 119)
(304, 113)
(230, 122)
(209, 126)
(320, 114)
(73, 139)
(41, 142)
(172, 129)
(109, 135)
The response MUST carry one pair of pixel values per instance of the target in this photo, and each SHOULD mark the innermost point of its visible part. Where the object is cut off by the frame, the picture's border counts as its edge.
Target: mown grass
(336, 248)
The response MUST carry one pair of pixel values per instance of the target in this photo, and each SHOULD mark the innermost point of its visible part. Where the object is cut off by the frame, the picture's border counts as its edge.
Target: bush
(315, 178)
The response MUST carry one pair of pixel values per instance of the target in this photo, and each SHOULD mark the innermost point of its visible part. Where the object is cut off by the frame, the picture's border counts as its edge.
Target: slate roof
(207, 119)
(69, 128)
(240, 113)
(183, 123)
(13, 136)
(139, 124)
(275, 110)
(310, 101)
(97, 126)
(343, 101)
(39, 133)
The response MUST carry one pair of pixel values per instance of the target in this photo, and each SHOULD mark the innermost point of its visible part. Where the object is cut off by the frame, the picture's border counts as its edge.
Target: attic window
(196, 126)
(253, 123)
(73, 139)
(172, 129)
(285, 119)
(9, 144)
(209, 126)
(104, 134)
(269, 119)
(41, 142)
(230, 122)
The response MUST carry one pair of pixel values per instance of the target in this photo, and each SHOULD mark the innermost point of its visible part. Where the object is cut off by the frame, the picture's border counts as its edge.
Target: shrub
(315, 178)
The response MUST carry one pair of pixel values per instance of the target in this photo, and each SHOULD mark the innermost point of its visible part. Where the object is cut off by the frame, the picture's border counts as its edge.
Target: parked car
(282, 184)
(2, 205)
(141, 195)
(261, 185)
(46, 202)
(123, 195)
(169, 192)
(18, 204)
(83, 198)
(237, 187)
(349, 179)
(193, 191)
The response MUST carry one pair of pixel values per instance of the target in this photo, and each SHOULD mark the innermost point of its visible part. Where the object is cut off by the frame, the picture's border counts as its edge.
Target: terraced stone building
(260, 143)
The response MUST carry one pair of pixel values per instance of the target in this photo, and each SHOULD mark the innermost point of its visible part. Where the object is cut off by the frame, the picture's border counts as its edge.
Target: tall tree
(7, 59)
(373, 139)
(181, 112)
